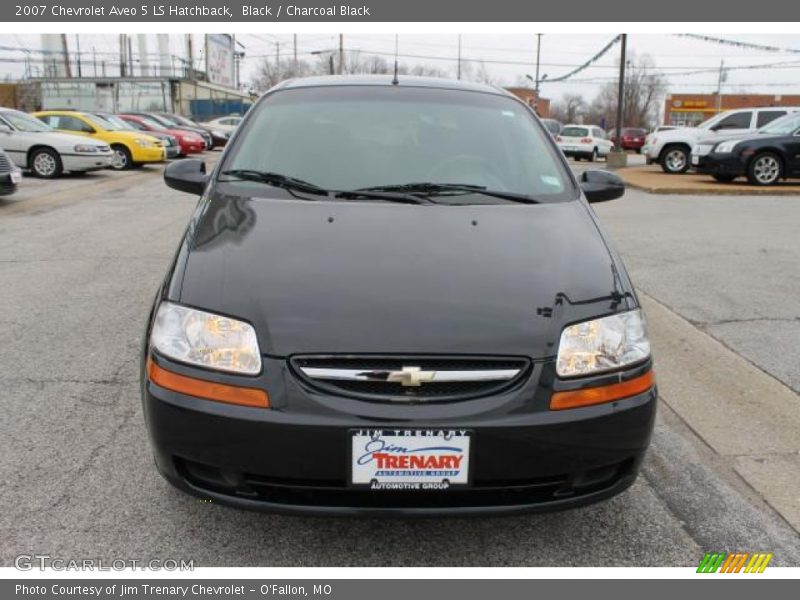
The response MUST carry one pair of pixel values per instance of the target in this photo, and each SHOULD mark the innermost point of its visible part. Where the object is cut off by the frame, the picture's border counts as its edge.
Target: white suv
(672, 149)
(584, 141)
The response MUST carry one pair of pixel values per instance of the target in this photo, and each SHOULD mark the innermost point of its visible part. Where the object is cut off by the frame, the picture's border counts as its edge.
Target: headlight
(85, 148)
(702, 149)
(726, 147)
(143, 142)
(603, 344)
(206, 340)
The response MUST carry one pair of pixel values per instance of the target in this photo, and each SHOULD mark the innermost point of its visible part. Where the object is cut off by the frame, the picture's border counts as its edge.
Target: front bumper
(87, 162)
(719, 164)
(295, 458)
(9, 181)
(148, 154)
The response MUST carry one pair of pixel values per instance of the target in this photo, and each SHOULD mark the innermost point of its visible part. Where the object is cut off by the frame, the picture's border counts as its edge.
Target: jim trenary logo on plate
(397, 459)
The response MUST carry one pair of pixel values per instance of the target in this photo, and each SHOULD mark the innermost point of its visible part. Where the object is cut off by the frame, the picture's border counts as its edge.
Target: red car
(190, 143)
(632, 139)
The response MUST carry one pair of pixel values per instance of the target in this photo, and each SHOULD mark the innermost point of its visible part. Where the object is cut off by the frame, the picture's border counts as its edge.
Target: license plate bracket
(433, 459)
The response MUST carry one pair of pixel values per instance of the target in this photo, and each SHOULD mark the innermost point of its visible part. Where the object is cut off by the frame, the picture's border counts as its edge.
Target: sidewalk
(748, 418)
(653, 180)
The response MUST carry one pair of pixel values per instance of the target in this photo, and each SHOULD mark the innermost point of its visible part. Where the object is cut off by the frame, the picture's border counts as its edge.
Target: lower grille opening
(337, 494)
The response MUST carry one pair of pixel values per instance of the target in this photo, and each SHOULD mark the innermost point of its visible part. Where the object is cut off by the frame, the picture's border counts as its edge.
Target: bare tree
(644, 88)
(569, 108)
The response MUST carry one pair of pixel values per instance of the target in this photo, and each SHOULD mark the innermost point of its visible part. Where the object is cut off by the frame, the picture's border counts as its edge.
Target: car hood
(372, 277)
(682, 133)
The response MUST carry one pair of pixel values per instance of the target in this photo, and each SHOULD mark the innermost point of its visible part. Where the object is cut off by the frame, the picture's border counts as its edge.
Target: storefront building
(689, 110)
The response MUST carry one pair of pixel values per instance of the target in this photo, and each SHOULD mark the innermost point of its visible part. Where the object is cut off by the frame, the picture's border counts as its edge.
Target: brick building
(692, 109)
(527, 95)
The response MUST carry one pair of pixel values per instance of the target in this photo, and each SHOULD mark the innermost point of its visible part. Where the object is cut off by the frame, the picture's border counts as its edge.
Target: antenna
(395, 81)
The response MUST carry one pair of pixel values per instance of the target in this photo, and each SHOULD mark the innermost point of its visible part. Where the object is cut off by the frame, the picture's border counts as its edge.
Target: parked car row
(49, 143)
(672, 149)
(764, 157)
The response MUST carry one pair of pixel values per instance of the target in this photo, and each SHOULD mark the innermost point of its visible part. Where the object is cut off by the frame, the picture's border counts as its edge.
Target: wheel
(593, 155)
(638, 151)
(675, 159)
(122, 158)
(46, 163)
(765, 169)
(724, 178)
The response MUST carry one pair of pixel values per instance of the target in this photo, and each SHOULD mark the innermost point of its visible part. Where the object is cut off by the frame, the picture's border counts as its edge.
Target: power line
(737, 43)
(589, 62)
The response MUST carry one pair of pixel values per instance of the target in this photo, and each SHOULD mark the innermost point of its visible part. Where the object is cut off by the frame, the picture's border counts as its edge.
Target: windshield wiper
(431, 188)
(277, 180)
(388, 196)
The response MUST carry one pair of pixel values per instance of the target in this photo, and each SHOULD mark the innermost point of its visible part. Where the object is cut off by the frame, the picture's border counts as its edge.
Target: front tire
(675, 159)
(765, 169)
(122, 158)
(46, 163)
(724, 178)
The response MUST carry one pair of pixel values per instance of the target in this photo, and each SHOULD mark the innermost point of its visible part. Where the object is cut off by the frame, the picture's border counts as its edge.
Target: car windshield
(355, 137)
(574, 132)
(179, 120)
(119, 123)
(152, 124)
(783, 126)
(101, 123)
(22, 122)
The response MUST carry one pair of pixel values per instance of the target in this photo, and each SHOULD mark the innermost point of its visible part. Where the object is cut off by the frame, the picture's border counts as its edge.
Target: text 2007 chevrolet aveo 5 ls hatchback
(394, 298)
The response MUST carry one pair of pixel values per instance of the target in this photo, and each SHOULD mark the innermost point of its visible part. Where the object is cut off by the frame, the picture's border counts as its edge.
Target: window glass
(349, 137)
(739, 120)
(767, 116)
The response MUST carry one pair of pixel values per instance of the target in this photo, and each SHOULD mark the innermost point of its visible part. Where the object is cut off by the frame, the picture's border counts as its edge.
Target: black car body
(214, 138)
(764, 157)
(10, 175)
(406, 351)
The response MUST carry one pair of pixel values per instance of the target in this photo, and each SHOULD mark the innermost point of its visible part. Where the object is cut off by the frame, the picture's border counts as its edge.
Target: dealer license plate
(399, 459)
(16, 176)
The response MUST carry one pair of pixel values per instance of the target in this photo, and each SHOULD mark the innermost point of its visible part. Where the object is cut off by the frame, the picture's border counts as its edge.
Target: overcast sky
(501, 56)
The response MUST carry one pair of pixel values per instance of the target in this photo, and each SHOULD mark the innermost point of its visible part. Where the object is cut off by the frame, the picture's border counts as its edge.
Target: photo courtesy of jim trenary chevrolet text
(399, 299)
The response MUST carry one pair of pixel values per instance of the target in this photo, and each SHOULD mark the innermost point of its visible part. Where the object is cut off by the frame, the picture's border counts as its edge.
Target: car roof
(388, 80)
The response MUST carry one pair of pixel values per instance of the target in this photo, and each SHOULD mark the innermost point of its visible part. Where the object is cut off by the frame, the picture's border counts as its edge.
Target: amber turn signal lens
(602, 394)
(208, 390)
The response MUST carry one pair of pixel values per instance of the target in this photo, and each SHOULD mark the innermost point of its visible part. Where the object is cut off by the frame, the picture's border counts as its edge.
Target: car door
(603, 143)
(16, 144)
(735, 123)
(764, 117)
(793, 154)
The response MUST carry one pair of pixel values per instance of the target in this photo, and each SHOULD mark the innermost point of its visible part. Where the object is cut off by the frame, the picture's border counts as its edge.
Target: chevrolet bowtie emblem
(410, 376)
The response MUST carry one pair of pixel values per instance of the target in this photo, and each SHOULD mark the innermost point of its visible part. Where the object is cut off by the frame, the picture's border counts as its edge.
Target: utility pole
(719, 85)
(123, 61)
(190, 56)
(621, 90)
(67, 68)
(78, 53)
(536, 90)
(459, 56)
(278, 59)
(294, 47)
(94, 61)
(341, 53)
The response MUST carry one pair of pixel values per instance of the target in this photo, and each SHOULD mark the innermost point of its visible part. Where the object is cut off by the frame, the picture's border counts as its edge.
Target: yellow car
(130, 148)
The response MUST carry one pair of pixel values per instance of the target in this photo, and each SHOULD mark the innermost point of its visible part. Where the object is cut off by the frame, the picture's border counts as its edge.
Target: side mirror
(601, 186)
(187, 175)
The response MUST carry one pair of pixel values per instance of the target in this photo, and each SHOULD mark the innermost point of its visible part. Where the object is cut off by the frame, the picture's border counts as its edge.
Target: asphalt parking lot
(81, 258)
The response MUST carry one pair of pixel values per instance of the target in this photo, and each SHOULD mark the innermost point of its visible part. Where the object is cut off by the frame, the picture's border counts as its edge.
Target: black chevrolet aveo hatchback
(394, 298)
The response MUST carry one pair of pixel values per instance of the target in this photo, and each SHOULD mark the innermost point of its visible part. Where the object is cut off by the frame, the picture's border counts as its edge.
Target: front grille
(391, 378)
(5, 163)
